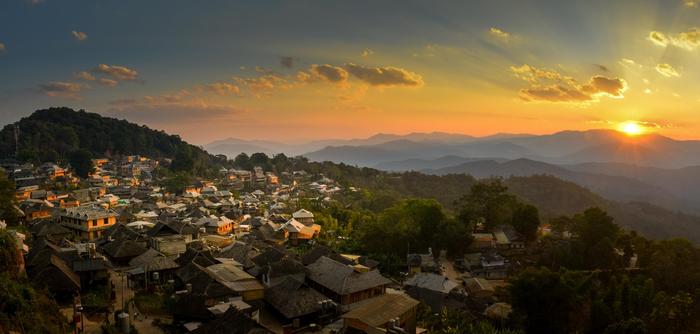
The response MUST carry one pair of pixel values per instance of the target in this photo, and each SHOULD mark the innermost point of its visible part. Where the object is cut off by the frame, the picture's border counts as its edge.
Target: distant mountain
(52, 134)
(426, 164)
(233, 146)
(567, 147)
(372, 155)
(682, 182)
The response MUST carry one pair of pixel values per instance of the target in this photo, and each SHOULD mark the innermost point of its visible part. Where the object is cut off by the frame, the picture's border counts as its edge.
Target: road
(449, 269)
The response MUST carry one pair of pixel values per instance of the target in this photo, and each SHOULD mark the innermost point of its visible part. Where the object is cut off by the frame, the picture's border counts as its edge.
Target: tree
(629, 326)
(7, 200)
(242, 161)
(487, 200)
(81, 162)
(183, 161)
(177, 183)
(526, 221)
(545, 300)
(260, 160)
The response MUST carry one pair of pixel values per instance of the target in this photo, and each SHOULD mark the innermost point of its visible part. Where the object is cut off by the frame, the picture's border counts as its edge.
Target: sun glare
(631, 128)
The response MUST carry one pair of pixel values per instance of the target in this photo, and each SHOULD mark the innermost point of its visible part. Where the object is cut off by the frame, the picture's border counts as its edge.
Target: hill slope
(52, 134)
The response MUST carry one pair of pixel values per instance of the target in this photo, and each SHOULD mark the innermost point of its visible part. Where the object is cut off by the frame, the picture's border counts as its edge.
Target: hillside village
(237, 249)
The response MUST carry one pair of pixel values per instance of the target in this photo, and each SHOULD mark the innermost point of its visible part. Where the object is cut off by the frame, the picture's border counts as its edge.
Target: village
(121, 253)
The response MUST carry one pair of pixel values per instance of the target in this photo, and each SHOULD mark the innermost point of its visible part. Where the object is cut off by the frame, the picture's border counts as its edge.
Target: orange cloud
(552, 86)
(79, 35)
(117, 72)
(224, 88)
(384, 76)
(325, 72)
(500, 34)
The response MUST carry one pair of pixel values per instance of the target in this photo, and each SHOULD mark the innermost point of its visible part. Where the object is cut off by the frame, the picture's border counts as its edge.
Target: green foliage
(176, 183)
(56, 132)
(456, 322)
(545, 299)
(489, 201)
(81, 162)
(26, 310)
(526, 221)
(7, 200)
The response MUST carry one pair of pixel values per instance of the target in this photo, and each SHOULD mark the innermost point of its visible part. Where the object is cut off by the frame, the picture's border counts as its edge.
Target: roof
(343, 279)
(432, 282)
(293, 225)
(293, 298)
(152, 260)
(231, 322)
(303, 213)
(123, 248)
(379, 310)
(89, 212)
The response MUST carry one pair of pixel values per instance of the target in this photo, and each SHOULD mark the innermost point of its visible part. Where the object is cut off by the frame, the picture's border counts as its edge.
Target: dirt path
(449, 269)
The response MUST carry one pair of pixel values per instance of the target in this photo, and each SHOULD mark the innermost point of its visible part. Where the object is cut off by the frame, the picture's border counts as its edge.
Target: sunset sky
(298, 70)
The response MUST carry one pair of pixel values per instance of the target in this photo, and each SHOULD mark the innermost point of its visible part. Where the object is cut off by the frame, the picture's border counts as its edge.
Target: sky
(302, 70)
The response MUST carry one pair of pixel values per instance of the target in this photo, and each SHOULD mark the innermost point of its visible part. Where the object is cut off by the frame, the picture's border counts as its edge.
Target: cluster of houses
(248, 260)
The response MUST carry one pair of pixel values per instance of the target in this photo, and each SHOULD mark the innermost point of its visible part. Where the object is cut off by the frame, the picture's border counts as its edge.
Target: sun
(631, 128)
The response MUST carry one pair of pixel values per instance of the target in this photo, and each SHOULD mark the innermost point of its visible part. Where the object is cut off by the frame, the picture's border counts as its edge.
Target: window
(104, 221)
(94, 223)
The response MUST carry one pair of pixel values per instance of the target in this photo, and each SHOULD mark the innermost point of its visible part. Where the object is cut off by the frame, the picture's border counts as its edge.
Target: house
(231, 322)
(422, 263)
(483, 241)
(218, 225)
(169, 245)
(151, 268)
(478, 287)
(436, 291)
(297, 232)
(88, 222)
(507, 238)
(344, 284)
(35, 209)
(384, 314)
(297, 304)
(493, 266)
(120, 252)
(237, 280)
(304, 216)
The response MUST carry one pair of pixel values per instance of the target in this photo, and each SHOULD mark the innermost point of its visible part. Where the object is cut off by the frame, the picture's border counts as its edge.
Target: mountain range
(647, 168)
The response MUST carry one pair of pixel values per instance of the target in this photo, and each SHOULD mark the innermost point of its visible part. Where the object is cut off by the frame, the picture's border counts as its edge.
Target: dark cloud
(287, 62)
(68, 90)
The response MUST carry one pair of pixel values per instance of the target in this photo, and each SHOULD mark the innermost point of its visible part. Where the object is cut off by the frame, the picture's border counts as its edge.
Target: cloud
(324, 72)
(84, 75)
(384, 76)
(500, 34)
(117, 72)
(366, 53)
(552, 86)
(3, 48)
(223, 88)
(263, 84)
(68, 90)
(691, 3)
(602, 68)
(79, 35)
(667, 70)
(287, 62)
(688, 40)
(108, 82)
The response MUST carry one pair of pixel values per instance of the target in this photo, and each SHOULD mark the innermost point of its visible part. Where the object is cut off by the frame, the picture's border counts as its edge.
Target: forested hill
(53, 134)
(552, 196)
